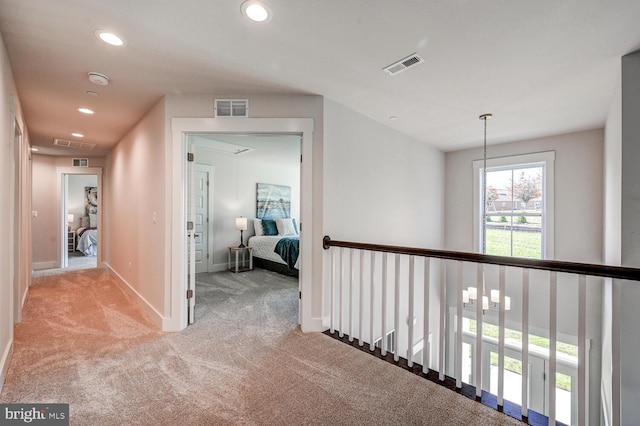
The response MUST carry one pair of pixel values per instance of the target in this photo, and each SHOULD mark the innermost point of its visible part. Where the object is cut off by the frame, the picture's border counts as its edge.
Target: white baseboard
(4, 362)
(38, 266)
(315, 325)
(220, 267)
(151, 312)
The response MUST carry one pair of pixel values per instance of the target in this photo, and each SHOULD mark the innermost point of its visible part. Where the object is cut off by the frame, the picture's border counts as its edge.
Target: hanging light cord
(484, 117)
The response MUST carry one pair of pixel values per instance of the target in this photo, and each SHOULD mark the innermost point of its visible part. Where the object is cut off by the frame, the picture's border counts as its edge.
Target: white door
(201, 224)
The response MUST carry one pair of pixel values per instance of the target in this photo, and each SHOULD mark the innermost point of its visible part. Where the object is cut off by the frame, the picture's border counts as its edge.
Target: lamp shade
(241, 223)
(70, 217)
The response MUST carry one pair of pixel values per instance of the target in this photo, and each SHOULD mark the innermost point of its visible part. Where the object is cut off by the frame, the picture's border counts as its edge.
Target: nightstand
(71, 241)
(242, 257)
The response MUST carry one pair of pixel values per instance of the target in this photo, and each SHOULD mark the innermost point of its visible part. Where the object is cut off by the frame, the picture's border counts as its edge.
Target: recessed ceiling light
(110, 38)
(257, 11)
(85, 110)
(393, 117)
(34, 149)
(92, 93)
(77, 135)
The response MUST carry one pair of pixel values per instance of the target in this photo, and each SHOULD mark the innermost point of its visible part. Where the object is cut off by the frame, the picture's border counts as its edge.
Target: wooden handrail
(608, 271)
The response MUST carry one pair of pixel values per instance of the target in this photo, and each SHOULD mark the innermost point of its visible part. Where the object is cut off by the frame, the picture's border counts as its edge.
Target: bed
(87, 239)
(279, 252)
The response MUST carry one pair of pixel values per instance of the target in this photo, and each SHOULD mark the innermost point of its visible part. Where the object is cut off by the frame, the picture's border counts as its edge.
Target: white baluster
(525, 342)
(478, 372)
(553, 316)
(582, 350)
(361, 300)
(372, 291)
(351, 272)
(383, 324)
(458, 356)
(410, 320)
(332, 289)
(501, 287)
(443, 304)
(396, 313)
(340, 294)
(425, 318)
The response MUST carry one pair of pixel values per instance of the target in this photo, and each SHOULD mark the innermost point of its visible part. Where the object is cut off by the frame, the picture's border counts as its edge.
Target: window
(518, 220)
(389, 347)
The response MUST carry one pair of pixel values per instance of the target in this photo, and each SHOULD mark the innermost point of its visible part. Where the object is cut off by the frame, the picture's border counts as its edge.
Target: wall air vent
(80, 162)
(231, 108)
(403, 64)
(74, 144)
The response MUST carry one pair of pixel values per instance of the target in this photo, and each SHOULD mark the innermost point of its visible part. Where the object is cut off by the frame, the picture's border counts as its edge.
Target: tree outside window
(514, 213)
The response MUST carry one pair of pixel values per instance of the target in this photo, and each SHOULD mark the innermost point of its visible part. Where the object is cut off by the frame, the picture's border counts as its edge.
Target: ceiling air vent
(403, 64)
(74, 144)
(231, 107)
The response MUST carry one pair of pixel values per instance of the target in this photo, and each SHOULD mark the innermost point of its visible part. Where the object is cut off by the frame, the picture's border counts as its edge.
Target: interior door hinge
(301, 158)
(189, 294)
(190, 156)
(300, 295)
(189, 226)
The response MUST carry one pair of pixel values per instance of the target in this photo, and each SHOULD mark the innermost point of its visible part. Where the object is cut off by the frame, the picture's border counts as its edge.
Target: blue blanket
(288, 248)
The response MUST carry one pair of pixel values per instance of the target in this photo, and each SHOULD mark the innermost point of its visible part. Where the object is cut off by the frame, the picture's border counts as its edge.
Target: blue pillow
(269, 227)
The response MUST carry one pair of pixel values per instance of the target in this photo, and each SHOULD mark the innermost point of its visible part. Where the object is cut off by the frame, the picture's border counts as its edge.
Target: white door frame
(61, 172)
(176, 230)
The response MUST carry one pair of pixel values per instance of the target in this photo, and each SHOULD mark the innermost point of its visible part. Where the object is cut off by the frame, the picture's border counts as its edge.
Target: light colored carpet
(244, 362)
(76, 261)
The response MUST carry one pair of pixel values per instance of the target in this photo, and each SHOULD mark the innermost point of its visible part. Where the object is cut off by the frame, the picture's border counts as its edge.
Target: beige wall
(134, 213)
(14, 197)
(578, 213)
(46, 196)
(578, 193)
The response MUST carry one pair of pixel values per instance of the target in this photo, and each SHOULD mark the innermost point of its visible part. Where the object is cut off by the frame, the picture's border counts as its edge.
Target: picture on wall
(273, 201)
(91, 199)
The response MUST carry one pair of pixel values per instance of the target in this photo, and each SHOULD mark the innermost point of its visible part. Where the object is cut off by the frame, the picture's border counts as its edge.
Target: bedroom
(236, 166)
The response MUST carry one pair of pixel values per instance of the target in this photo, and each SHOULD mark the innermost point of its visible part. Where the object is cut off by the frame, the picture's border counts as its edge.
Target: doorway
(310, 270)
(80, 218)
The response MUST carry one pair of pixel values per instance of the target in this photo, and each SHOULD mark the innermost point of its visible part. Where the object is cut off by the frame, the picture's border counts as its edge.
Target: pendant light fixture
(471, 295)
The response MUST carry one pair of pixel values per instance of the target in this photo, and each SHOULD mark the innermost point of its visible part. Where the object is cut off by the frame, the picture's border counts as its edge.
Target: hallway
(244, 361)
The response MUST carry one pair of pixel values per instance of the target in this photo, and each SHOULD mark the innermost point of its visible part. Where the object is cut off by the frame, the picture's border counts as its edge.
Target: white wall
(234, 191)
(612, 236)
(379, 185)
(382, 187)
(630, 251)
(578, 229)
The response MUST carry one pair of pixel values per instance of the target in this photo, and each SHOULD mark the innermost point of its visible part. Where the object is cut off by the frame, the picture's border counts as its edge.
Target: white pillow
(257, 225)
(93, 220)
(285, 227)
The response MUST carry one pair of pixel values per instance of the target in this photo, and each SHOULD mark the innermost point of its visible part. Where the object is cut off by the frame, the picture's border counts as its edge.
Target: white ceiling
(541, 67)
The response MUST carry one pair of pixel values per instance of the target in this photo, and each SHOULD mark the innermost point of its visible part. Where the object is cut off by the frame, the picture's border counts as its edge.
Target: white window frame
(547, 160)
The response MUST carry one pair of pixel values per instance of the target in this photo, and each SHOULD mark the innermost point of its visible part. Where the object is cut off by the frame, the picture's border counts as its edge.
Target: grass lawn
(563, 381)
(525, 243)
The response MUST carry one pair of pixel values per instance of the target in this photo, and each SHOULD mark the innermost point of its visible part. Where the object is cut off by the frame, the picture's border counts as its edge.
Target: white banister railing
(387, 299)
